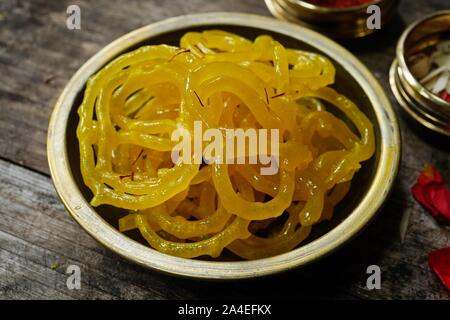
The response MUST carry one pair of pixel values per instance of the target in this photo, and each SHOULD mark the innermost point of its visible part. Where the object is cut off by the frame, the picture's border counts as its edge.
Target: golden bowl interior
(370, 185)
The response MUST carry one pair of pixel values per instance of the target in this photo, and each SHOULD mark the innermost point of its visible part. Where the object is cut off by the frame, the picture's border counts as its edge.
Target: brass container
(420, 103)
(340, 23)
(371, 184)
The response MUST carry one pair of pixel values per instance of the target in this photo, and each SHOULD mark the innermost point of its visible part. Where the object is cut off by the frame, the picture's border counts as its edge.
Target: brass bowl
(340, 23)
(420, 103)
(371, 185)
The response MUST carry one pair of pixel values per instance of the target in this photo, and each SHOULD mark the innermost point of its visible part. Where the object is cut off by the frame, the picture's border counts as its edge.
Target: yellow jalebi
(133, 104)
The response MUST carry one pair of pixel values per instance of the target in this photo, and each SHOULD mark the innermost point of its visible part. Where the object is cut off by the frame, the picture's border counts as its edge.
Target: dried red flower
(131, 176)
(439, 262)
(139, 155)
(278, 95)
(180, 51)
(199, 100)
(267, 96)
(433, 194)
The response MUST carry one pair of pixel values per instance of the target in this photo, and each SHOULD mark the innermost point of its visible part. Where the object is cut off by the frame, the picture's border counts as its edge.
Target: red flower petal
(433, 194)
(439, 261)
(430, 174)
(445, 95)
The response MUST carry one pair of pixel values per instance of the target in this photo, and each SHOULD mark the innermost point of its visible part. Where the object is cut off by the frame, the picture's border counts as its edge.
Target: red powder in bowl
(339, 3)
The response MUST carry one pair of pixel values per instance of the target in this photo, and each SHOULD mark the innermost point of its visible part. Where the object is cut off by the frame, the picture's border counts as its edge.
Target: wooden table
(38, 238)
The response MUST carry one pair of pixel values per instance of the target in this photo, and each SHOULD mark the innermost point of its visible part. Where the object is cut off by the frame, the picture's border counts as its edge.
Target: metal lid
(341, 23)
(420, 103)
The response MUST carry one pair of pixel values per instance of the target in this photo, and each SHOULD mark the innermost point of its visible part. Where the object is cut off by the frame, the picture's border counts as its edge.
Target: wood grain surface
(39, 239)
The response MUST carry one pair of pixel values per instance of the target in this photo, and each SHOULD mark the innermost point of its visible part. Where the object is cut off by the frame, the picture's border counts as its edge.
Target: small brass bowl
(420, 103)
(340, 23)
(371, 184)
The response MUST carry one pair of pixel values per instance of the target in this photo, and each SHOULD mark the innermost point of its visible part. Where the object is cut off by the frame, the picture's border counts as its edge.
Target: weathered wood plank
(17, 287)
(38, 55)
(38, 240)
(36, 226)
(40, 59)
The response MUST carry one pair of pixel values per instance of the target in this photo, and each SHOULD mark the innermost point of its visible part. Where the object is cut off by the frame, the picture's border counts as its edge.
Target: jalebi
(133, 104)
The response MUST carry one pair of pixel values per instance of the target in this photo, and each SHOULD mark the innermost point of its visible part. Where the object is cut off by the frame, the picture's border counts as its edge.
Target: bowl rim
(305, 5)
(126, 247)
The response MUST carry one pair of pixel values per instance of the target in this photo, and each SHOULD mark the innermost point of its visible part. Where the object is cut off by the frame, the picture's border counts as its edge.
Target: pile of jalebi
(132, 105)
